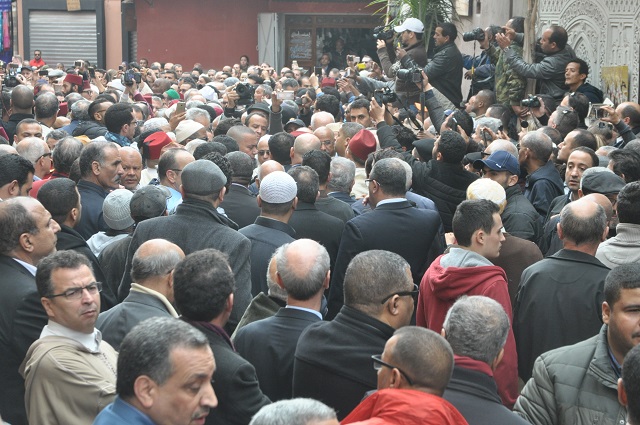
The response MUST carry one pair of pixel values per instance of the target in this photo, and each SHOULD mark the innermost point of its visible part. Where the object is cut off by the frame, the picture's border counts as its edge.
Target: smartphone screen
(317, 70)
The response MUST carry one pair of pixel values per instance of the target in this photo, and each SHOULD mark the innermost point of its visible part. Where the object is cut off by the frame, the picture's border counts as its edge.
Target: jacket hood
(458, 272)
(91, 129)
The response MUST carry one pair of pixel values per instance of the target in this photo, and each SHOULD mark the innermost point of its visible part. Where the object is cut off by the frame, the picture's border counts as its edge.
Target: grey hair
(154, 124)
(302, 282)
(391, 176)
(343, 172)
(144, 268)
(65, 152)
(147, 348)
(274, 289)
(350, 129)
(504, 145)
(31, 148)
(581, 229)
(296, 411)
(268, 90)
(408, 172)
(539, 143)
(80, 110)
(193, 104)
(194, 112)
(373, 275)
(476, 327)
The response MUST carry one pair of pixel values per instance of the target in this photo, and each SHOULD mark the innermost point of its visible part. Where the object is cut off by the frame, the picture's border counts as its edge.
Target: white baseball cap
(411, 24)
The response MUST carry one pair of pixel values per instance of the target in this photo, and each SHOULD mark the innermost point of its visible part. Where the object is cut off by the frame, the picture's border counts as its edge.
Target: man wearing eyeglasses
(38, 153)
(70, 373)
(408, 392)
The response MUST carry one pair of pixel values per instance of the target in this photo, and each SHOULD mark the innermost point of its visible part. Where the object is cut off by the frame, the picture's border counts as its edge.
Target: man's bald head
(8, 150)
(321, 119)
(582, 225)
(153, 263)
(502, 145)
(303, 269)
(630, 113)
(603, 201)
(268, 167)
(327, 139)
(303, 144)
(22, 98)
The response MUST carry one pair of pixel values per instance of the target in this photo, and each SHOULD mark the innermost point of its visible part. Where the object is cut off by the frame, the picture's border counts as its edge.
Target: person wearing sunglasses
(70, 372)
(409, 393)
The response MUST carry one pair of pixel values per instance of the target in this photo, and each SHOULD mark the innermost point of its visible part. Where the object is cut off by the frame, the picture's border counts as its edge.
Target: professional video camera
(383, 33)
(411, 75)
(385, 95)
(245, 91)
(530, 102)
(476, 34)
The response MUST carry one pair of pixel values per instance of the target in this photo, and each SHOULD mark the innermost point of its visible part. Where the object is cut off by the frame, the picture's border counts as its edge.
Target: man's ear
(559, 230)
(494, 364)
(46, 303)
(74, 213)
(221, 193)
(512, 180)
(95, 167)
(622, 393)
(291, 153)
(294, 205)
(606, 312)
(479, 236)
(145, 390)
(13, 188)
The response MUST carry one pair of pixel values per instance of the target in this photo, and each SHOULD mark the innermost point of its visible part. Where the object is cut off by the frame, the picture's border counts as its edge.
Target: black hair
(472, 215)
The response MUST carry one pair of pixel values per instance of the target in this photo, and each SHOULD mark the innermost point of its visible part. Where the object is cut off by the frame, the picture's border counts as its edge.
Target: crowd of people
(354, 244)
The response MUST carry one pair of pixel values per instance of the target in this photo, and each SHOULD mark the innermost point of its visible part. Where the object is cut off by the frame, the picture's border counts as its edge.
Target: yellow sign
(73, 5)
(615, 83)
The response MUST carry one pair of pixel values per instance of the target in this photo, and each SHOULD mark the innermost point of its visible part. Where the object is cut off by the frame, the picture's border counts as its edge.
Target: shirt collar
(90, 341)
(30, 267)
(308, 310)
(390, 200)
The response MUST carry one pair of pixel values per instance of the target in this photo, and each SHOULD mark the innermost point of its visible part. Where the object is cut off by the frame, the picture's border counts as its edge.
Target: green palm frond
(430, 12)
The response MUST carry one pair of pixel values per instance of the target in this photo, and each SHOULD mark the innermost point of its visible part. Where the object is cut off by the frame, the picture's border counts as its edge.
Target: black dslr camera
(412, 75)
(130, 76)
(530, 102)
(476, 34)
(383, 33)
(245, 91)
(384, 96)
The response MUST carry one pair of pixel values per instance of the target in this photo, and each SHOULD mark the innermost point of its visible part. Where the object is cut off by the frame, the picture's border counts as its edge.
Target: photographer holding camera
(445, 69)
(413, 50)
(480, 69)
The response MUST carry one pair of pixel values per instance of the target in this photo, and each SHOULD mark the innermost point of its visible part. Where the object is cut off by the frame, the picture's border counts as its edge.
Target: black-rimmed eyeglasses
(76, 293)
(378, 363)
(414, 294)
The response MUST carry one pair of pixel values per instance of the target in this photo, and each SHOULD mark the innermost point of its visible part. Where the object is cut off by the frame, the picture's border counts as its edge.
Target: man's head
(411, 31)
(65, 153)
(258, 123)
(625, 163)
(320, 161)
(477, 227)
(327, 139)
(69, 292)
(153, 264)
(477, 327)
(346, 132)
(535, 148)
(241, 166)
(308, 183)
(629, 113)
(379, 284)
(204, 180)
(98, 109)
(387, 180)
(119, 119)
(303, 269)
(171, 166)
(360, 146)
(21, 99)
(629, 386)
(360, 112)
(445, 33)
(583, 225)
(28, 127)
(564, 119)
(575, 139)
(46, 106)
(72, 83)
(203, 286)
(280, 145)
(501, 167)
(553, 39)
(321, 119)
(27, 231)
(165, 368)
(401, 364)
(579, 160)
(343, 172)
(450, 147)
(277, 197)
(61, 198)
(299, 411)
(16, 176)
(131, 166)
(246, 138)
(628, 205)
(100, 163)
(38, 153)
(619, 311)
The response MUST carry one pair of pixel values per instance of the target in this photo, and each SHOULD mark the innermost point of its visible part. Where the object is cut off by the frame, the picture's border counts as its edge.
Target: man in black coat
(197, 225)
(203, 290)
(151, 293)
(239, 203)
(269, 344)
(476, 327)
(307, 220)
(61, 198)
(27, 234)
(277, 201)
(566, 288)
(393, 225)
(333, 359)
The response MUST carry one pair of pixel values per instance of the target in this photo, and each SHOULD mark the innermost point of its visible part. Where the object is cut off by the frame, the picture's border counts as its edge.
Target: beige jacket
(65, 383)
